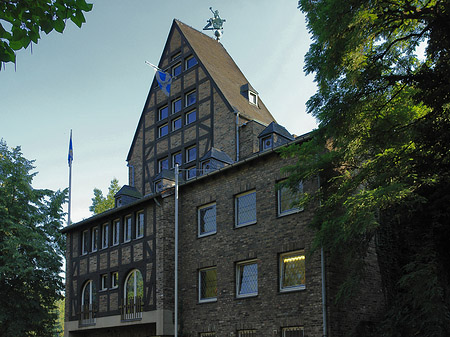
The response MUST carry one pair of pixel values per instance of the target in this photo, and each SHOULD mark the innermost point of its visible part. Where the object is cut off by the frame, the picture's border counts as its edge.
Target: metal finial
(215, 23)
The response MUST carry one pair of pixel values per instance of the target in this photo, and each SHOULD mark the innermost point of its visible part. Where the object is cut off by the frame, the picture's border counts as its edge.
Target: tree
(382, 150)
(100, 203)
(25, 20)
(31, 249)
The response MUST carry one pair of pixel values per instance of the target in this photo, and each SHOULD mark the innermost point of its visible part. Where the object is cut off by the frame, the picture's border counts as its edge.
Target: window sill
(243, 297)
(290, 290)
(290, 212)
(212, 300)
(245, 224)
(206, 234)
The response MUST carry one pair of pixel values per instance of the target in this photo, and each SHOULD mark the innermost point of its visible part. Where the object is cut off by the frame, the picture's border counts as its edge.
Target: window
(286, 198)
(103, 281)
(163, 164)
(163, 113)
(127, 229)
(176, 56)
(266, 143)
(116, 232)
(163, 130)
(247, 279)
(94, 237)
(133, 295)
(114, 280)
(245, 209)
(190, 98)
(207, 219)
(246, 333)
(176, 106)
(88, 300)
(105, 235)
(85, 242)
(207, 284)
(190, 62)
(176, 159)
(292, 271)
(252, 97)
(191, 117)
(191, 172)
(191, 154)
(206, 167)
(139, 224)
(176, 69)
(294, 331)
(177, 123)
(207, 334)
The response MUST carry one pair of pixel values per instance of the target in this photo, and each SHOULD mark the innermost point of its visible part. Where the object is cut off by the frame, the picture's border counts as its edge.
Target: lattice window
(286, 199)
(247, 279)
(246, 333)
(292, 271)
(208, 284)
(294, 331)
(245, 209)
(207, 219)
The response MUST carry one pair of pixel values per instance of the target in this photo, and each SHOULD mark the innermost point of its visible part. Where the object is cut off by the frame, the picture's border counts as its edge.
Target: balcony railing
(87, 315)
(132, 309)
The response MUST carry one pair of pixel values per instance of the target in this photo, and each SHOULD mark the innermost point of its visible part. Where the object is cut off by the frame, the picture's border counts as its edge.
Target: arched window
(133, 295)
(88, 300)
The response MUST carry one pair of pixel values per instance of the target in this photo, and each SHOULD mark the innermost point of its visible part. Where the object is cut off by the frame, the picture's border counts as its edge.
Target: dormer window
(266, 143)
(159, 186)
(252, 98)
(206, 167)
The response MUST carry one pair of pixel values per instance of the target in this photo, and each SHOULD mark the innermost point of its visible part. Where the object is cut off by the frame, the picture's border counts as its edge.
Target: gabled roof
(217, 154)
(128, 190)
(278, 129)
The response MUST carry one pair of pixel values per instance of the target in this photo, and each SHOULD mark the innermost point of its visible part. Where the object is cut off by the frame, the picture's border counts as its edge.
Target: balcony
(87, 315)
(132, 309)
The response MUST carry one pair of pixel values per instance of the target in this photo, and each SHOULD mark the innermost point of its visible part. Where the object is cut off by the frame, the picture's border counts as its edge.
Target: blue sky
(94, 81)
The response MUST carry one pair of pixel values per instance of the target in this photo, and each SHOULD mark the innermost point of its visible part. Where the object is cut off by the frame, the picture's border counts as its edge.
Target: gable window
(286, 199)
(163, 130)
(176, 69)
(176, 159)
(292, 271)
(245, 206)
(103, 281)
(94, 237)
(139, 224)
(246, 333)
(191, 117)
(85, 242)
(190, 98)
(266, 143)
(207, 284)
(127, 229)
(294, 331)
(88, 300)
(105, 235)
(247, 279)
(176, 106)
(114, 280)
(163, 164)
(191, 154)
(177, 123)
(252, 98)
(191, 172)
(190, 62)
(133, 295)
(207, 219)
(163, 113)
(116, 232)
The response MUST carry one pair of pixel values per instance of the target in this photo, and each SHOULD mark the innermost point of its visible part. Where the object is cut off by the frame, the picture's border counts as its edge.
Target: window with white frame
(191, 154)
(245, 208)
(292, 271)
(88, 301)
(127, 229)
(190, 98)
(246, 333)
(116, 232)
(207, 219)
(139, 224)
(177, 123)
(133, 295)
(286, 199)
(247, 278)
(177, 158)
(85, 242)
(163, 164)
(163, 130)
(176, 69)
(190, 62)
(176, 106)
(94, 239)
(191, 172)
(190, 117)
(103, 281)
(207, 284)
(252, 98)
(293, 331)
(163, 112)
(114, 280)
(105, 235)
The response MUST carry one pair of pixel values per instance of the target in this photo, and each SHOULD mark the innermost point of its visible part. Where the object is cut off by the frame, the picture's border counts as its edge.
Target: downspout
(132, 174)
(324, 290)
(236, 112)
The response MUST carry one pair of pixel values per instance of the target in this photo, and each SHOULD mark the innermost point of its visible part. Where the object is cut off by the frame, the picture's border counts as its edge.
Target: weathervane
(217, 24)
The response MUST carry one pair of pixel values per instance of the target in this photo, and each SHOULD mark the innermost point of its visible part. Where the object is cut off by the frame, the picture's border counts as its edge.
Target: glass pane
(248, 279)
(176, 159)
(163, 130)
(190, 117)
(191, 62)
(129, 288)
(246, 208)
(176, 70)
(293, 271)
(176, 106)
(163, 113)
(191, 98)
(176, 124)
(208, 283)
(87, 293)
(139, 285)
(207, 219)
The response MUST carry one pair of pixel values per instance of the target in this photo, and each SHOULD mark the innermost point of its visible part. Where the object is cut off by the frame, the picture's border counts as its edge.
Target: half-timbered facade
(243, 263)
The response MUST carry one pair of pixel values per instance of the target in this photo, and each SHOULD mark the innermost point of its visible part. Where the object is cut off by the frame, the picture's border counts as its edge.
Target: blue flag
(70, 157)
(164, 81)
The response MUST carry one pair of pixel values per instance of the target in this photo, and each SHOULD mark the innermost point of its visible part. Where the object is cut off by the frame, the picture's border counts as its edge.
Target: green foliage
(100, 203)
(21, 22)
(31, 249)
(382, 149)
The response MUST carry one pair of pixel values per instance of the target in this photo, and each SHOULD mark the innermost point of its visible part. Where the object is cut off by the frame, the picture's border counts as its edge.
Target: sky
(94, 80)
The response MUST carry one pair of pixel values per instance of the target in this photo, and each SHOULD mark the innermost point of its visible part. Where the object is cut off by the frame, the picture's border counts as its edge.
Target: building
(243, 263)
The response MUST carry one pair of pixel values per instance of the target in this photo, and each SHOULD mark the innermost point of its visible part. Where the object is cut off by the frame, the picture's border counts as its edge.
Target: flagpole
(70, 159)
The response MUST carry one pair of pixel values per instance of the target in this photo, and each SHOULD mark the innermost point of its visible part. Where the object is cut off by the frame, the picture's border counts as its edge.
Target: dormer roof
(278, 129)
(217, 154)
